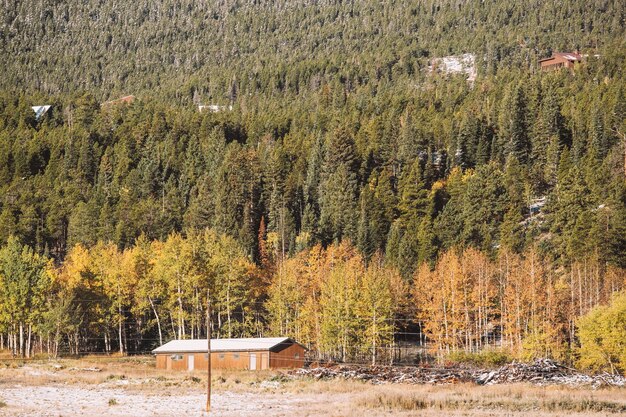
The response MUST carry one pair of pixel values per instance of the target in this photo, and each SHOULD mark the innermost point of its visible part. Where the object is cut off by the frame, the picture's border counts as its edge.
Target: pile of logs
(540, 372)
(544, 372)
(389, 374)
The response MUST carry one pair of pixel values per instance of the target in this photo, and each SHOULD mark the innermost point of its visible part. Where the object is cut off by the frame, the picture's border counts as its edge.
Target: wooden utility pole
(208, 338)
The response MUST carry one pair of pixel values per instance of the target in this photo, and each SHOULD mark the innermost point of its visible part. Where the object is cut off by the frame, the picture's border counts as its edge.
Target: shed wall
(219, 360)
(177, 364)
(225, 360)
(161, 361)
(290, 357)
(556, 62)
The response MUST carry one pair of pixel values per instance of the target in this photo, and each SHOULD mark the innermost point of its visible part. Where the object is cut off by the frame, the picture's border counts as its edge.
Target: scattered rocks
(269, 384)
(85, 369)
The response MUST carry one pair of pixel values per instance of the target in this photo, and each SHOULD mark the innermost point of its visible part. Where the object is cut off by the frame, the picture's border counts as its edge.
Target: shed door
(190, 363)
(264, 361)
(253, 361)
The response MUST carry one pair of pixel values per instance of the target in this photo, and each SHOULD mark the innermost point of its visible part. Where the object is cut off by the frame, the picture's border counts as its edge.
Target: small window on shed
(297, 355)
(221, 356)
(235, 356)
(177, 357)
(206, 356)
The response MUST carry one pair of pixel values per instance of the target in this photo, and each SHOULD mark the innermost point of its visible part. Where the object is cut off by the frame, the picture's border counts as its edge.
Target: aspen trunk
(374, 340)
(181, 320)
(21, 346)
(172, 323)
(156, 315)
(228, 308)
(28, 340)
(119, 330)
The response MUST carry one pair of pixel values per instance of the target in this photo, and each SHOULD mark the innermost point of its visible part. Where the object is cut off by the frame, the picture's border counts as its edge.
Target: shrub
(602, 336)
(487, 357)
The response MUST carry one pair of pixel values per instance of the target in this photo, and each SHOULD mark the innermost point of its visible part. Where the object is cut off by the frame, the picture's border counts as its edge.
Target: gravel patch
(55, 401)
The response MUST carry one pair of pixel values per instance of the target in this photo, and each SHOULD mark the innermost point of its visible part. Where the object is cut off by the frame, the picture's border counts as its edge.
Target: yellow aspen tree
(77, 278)
(150, 288)
(170, 264)
(511, 284)
(536, 341)
(314, 270)
(438, 300)
(287, 297)
(106, 264)
(233, 278)
(71, 272)
(375, 307)
(426, 297)
(338, 298)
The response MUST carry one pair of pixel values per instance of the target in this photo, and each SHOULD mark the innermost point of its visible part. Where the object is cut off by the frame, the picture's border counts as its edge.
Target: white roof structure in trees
(40, 110)
(224, 345)
(214, 108)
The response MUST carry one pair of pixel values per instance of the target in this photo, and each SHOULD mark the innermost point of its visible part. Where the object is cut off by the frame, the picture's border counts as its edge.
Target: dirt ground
(133, 387)
(94, 401)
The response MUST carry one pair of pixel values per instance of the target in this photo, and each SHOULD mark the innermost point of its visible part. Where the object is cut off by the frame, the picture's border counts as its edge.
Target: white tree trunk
(156, 315)
(21, 347)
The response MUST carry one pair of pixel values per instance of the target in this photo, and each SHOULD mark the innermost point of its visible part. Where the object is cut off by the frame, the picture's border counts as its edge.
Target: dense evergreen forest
(351, 194)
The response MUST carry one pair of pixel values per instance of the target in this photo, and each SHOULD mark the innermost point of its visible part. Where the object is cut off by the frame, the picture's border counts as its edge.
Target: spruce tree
(512, 126)
(338, 188)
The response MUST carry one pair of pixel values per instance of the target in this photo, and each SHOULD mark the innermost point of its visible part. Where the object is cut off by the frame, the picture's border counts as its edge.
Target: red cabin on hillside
(560, 60)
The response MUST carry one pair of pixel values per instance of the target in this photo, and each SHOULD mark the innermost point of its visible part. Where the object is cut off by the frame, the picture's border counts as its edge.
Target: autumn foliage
(342, 306)
(517, 302)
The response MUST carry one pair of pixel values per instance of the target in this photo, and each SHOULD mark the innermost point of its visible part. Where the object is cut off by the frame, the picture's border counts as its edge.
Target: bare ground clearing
(133, 387)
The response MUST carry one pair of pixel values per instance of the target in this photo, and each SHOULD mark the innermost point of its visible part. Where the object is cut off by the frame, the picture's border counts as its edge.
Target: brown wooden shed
(246, 353)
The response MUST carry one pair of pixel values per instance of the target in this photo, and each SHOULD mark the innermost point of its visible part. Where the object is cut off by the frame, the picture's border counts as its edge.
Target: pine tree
(483, 207)
(567, 203)
(597, 135)
(413, 202)
(338, 189)
(512, 133)
(467, 142)
(548, 138)
(310, 217)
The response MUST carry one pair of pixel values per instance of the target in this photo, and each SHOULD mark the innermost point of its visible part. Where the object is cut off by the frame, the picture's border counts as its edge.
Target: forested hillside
(186, 49)
(351, 194)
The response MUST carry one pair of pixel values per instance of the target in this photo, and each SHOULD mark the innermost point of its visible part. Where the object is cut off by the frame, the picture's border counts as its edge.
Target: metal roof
(570, 56)
(40, 110)
(217, 345)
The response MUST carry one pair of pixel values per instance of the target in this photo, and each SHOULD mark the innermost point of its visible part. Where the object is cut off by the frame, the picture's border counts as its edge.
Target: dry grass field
(133, 387)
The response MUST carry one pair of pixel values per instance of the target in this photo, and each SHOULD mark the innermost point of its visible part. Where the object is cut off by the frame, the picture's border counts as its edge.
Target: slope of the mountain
(188, 47)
